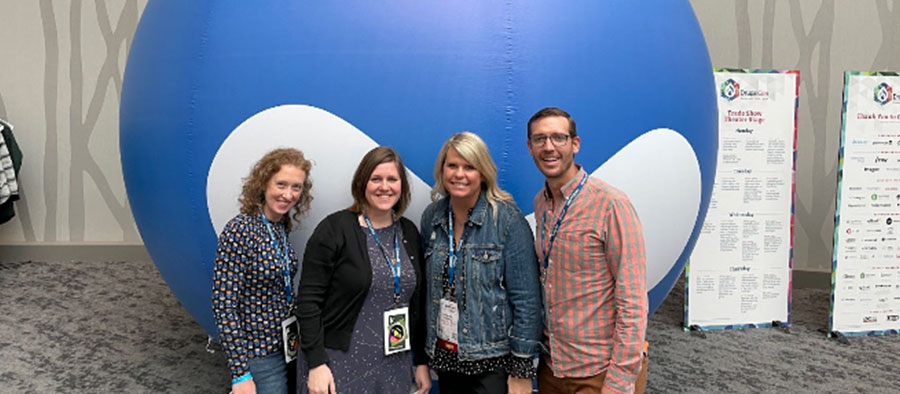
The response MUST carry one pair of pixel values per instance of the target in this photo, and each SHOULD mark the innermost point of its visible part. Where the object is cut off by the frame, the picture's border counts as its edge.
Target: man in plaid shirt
(589, 244)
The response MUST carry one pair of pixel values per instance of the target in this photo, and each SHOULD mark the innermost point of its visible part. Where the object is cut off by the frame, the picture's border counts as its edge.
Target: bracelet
(242, 378)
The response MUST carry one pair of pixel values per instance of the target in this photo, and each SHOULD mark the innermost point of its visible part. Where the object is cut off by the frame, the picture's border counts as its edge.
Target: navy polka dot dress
(364, 369)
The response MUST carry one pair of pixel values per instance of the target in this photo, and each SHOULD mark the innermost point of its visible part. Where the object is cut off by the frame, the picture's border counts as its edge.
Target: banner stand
(697, 331)
(784, 327)
(839, 337)
(739, 272)
(865, 270)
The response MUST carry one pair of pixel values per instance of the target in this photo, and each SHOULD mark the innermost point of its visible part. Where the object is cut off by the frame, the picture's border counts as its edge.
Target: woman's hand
(245, 387)
(423, 379)
(519, 386)
(321, 381)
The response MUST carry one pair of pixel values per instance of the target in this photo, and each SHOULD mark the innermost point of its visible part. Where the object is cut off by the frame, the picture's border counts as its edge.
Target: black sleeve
(418, 300)
(315, 281)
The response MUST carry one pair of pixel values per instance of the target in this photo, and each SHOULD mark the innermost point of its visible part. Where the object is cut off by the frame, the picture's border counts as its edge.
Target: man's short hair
(552, 111)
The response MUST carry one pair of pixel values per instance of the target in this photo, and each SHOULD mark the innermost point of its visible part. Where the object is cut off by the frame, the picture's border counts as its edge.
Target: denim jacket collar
(479, 212)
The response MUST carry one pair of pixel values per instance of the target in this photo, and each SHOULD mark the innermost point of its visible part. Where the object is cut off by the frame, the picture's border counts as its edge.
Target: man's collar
(569, 187)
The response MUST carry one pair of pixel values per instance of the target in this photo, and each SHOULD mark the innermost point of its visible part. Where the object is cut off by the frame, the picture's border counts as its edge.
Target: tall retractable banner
(865, 276)
(739, 274)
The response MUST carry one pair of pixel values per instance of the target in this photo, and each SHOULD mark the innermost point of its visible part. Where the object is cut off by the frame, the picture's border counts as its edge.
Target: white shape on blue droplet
(333, 145)
(658, 170)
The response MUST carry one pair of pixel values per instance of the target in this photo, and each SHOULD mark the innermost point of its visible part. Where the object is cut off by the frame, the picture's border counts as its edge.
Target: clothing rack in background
(10, 164)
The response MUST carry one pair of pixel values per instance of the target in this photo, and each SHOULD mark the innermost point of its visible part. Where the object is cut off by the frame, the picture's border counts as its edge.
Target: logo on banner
(883, 93)
(730, 89)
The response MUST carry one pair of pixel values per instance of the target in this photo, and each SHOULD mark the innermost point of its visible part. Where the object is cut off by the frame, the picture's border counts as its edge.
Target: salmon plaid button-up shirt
(595, 292)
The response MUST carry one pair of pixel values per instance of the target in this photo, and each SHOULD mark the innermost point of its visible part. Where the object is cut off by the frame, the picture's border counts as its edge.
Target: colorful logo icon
(730, 90)
(883, 93)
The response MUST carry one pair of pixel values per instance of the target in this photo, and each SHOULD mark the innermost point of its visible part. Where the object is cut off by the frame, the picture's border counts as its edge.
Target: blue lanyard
(454, 249)
(395, 262)
(285, 257)
(559, 220)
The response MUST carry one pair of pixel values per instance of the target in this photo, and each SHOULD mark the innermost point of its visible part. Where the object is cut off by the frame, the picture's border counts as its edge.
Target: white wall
(59, 87)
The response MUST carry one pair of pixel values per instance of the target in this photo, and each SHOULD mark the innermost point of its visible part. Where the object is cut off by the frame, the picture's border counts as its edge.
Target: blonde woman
(484, 303)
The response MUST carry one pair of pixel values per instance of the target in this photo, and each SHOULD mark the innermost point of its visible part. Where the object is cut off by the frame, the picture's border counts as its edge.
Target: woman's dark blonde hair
(253, 194)
(364, 170)
(473, 149)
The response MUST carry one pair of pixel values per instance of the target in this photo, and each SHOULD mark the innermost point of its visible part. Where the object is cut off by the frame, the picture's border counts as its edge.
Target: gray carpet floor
(114, 327)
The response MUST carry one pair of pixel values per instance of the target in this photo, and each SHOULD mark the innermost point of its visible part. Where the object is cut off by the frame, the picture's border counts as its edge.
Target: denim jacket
(497, 276)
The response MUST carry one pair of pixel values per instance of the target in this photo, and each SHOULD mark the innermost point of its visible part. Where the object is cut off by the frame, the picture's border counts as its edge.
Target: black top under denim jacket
(335, 282)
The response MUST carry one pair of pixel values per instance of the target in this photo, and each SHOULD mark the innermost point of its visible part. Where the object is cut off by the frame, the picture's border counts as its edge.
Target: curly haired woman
(254, 268)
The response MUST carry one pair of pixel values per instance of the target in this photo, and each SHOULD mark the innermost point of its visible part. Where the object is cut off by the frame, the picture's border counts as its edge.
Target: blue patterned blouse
(250, 298)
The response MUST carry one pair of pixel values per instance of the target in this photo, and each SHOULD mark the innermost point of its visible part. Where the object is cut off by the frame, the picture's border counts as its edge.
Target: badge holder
(396, 331)
(290, 335)
(448, 336)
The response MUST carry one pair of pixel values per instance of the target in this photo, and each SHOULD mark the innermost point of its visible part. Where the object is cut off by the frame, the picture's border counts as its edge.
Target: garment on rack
(10, 163)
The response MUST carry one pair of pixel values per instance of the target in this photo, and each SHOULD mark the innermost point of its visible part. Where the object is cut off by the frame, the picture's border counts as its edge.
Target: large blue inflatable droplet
(635, 75)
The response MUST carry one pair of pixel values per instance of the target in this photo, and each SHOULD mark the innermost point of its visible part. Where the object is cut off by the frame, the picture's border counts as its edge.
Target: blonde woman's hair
(473, 149)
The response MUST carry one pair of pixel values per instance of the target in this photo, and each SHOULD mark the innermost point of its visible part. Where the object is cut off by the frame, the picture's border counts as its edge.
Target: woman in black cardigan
(360, 302)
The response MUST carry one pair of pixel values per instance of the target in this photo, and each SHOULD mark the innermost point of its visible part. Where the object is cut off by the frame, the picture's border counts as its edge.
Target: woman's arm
(232, 254)
(523, 286)
(417, 301)
(315, 280)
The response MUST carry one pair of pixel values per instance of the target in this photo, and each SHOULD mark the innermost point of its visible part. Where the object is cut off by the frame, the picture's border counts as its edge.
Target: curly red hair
(253, 194)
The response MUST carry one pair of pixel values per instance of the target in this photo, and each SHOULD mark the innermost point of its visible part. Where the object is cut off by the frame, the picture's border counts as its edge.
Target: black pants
(492, 382)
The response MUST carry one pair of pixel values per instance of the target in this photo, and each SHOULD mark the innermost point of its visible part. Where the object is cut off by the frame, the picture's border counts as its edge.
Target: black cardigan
(335, 281)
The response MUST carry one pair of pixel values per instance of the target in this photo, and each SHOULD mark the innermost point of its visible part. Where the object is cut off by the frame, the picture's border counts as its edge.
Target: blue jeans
(269, 374)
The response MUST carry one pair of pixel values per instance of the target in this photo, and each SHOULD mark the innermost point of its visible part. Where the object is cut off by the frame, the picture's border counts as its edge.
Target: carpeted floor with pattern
(114, 327)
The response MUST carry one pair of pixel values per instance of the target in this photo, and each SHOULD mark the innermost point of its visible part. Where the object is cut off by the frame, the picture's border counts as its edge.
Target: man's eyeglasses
(557, 139)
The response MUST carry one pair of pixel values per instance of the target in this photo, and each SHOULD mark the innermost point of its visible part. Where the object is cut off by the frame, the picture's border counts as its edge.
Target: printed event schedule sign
(739, 273)
(865, 277)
